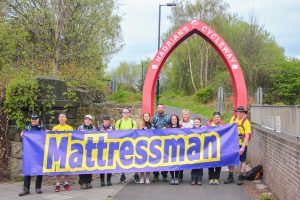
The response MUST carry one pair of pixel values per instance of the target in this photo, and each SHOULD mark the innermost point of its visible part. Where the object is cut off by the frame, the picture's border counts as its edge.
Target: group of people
(159, 121)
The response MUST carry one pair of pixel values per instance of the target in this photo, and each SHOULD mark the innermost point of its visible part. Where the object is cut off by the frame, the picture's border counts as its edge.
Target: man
(62, 126)
(86, 179)
(127, 123)
(160, 120)
(244, 131)
(106, 127)
(34, 126)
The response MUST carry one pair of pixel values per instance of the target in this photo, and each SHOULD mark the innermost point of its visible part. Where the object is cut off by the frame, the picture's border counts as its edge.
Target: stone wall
(96, 109)
(279, 153)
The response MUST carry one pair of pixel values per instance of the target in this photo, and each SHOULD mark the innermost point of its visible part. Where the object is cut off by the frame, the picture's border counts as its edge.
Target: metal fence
(279, 118)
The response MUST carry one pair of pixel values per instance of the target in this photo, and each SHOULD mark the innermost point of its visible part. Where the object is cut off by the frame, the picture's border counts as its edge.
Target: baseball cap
(106, 117)
(34, 116)
(89, 117)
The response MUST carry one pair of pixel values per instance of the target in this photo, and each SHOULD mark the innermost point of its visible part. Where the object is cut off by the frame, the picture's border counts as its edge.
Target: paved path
(184, 191)
(10, 191)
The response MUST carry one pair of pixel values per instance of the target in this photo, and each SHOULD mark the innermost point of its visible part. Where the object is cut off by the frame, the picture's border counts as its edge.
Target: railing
(279, 118)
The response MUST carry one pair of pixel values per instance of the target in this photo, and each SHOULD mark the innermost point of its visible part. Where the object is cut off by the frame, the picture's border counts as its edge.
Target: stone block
(16, 149)
(15, 166)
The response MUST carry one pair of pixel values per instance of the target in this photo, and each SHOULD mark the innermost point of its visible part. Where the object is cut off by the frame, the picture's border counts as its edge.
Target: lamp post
(158, 46)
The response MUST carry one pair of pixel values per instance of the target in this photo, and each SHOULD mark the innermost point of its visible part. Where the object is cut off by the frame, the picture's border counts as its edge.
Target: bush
(123, 96)
(204, 95)
(266, 196)
(21, 100)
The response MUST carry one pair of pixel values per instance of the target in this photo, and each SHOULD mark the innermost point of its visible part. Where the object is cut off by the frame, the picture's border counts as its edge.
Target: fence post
(220, 99)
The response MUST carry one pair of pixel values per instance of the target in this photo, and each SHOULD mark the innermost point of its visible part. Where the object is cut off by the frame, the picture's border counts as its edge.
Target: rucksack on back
(242, 124)
(255, 173)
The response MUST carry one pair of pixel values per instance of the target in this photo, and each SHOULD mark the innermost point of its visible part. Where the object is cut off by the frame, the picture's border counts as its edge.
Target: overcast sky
(140, 25)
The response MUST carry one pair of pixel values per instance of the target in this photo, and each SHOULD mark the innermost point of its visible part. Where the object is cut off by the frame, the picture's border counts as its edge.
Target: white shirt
(189, 124)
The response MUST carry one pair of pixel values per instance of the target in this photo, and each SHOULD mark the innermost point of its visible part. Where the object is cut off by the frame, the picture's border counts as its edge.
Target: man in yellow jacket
(244, 131)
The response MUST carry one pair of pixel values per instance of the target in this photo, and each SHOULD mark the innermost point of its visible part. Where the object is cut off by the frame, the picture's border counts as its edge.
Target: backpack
(121, 123)
(242, 124)
(156, 119)
(255, 173)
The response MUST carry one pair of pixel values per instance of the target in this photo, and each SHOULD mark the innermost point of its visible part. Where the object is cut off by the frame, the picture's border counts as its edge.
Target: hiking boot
(240, 180)
(24, 192)
(230, 179)
(155, 179)
(67, 187)
(176, 182)
(123, 178)
(83, 186)
(38, 190)
(165, 179)
(89, 185)
(136, 178)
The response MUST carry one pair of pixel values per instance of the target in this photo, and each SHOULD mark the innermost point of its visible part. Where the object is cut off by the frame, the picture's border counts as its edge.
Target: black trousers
(214, 173)
(197, 174)
(108, 176)
(163, 173)
(85, 178)
(181, 174)
(176, 173)
(38, 181)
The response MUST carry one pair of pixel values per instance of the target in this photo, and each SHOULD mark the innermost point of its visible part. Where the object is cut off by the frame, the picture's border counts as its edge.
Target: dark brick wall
(279, 153)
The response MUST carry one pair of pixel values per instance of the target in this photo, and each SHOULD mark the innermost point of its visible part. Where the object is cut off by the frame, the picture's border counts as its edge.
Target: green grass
(188, 102)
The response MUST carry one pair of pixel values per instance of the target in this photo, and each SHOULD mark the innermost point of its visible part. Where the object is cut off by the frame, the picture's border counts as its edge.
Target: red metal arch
(185, 31)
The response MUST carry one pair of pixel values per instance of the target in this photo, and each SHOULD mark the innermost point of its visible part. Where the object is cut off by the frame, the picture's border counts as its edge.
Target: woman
(174, 174)
(145, 123)
(197, 174)
(106, 127)
(186, 122)
(86, 179)
(214, 172)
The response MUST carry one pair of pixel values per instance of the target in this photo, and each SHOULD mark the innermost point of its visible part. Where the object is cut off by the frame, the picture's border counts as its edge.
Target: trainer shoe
(193, 182)
(67, 187)
(211, 182)
(199, 182)
(57, 188)
(216, 181)
(176, 182)
(142, 181)
(172, 181)
(136, 178)
(147, 181)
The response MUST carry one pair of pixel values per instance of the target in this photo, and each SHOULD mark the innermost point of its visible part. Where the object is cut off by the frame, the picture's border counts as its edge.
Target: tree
(285, 83)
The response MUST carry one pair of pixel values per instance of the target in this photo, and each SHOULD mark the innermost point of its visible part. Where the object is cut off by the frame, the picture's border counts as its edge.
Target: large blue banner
(84, 152)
